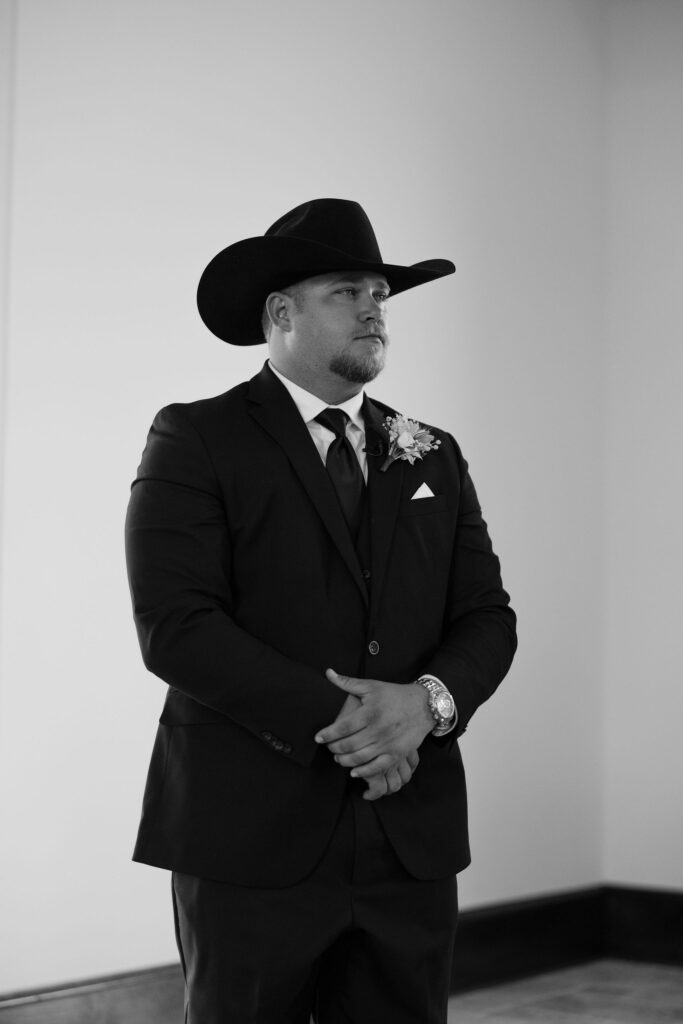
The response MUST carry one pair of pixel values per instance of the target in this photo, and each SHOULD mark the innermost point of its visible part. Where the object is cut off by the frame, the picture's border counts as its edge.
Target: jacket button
(287, 748)
(366, 574)
(373, 647)
(278, 744)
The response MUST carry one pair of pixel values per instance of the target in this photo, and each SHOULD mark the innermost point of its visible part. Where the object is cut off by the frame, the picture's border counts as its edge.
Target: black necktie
(344, 468)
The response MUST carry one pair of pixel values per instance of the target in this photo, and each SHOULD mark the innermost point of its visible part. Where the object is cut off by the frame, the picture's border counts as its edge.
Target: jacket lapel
(272, 407)
(385, 495)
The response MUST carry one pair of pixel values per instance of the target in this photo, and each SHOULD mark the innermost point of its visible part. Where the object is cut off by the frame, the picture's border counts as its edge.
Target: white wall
(150, 133)
(7, 17)
(644, 507)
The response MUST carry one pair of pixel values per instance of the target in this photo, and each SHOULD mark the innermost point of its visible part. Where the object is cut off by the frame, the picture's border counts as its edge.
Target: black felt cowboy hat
(318, 237)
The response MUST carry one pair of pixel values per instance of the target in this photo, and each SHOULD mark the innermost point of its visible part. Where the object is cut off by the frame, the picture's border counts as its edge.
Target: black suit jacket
(246, 586)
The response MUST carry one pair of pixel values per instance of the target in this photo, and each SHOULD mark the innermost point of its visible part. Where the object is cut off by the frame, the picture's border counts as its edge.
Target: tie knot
(335, 420)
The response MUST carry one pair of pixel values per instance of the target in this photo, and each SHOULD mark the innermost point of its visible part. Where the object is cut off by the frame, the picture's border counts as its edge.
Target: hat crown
(338, 223)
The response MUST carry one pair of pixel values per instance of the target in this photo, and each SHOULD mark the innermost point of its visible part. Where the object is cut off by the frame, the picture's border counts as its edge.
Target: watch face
(444, 705)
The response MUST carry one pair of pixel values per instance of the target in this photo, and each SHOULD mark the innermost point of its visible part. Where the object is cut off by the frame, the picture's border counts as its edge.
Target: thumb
(347, 683)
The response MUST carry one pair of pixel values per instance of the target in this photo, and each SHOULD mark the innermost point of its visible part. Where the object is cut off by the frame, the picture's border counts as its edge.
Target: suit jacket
(246, 585)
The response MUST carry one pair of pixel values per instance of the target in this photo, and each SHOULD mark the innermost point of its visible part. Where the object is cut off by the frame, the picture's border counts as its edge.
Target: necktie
(344, 469)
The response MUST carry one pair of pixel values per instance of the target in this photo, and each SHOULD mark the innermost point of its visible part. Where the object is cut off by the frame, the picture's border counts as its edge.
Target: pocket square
(423, 491)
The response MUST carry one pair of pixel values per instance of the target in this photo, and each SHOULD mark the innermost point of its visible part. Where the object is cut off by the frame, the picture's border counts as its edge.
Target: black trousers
(359, 941)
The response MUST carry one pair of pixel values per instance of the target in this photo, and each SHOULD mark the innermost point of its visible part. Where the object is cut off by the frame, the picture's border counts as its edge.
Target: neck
(332, 390)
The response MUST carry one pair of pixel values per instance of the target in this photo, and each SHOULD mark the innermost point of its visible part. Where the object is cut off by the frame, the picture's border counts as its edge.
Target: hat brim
(235, 284)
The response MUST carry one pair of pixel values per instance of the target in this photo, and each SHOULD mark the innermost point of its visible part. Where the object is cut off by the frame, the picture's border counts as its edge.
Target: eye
(348, 290)
(381, 296)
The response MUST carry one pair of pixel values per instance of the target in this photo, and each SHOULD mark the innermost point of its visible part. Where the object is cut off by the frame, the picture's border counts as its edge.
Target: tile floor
(603, 992)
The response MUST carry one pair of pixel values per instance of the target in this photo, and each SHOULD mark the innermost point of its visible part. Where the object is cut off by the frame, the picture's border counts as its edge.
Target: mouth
(370, 337)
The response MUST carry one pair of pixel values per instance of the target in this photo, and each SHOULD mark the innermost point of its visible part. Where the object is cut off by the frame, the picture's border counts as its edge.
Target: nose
(371, 309)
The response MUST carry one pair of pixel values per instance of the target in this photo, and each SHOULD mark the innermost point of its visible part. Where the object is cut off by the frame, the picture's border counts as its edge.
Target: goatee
(357, 369)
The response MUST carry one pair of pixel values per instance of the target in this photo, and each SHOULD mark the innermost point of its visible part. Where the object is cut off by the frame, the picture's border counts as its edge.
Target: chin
(356, 370)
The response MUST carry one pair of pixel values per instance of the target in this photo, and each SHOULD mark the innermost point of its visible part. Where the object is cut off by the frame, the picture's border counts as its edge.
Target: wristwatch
(441, 705)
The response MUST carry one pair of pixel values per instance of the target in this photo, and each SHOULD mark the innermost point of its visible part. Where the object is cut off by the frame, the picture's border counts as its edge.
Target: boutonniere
(408, 439)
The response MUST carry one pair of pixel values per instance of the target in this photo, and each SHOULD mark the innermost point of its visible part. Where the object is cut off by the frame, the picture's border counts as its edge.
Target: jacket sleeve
(479, 637)
(178, 552)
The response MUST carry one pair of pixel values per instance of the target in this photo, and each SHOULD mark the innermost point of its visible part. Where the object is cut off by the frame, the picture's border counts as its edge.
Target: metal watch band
(435, 688)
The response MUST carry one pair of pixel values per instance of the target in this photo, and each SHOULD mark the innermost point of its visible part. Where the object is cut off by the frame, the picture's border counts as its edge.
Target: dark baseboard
(493, 945)
(516, 940)
(139, 997)
(643, 924)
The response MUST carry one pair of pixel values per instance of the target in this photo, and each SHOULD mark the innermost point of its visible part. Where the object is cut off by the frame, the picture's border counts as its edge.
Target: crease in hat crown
(319, 236)
(350, 230)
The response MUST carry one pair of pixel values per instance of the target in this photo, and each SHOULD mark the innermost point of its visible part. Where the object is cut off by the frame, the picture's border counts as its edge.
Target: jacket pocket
(425, 506)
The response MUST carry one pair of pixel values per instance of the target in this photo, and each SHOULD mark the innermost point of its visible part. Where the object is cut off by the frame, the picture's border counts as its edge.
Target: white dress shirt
(310, 406)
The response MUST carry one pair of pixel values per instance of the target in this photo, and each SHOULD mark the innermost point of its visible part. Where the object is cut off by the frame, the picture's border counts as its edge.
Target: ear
(278, 307)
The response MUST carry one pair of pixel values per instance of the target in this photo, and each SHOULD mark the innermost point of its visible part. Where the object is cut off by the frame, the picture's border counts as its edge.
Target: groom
(312, 577)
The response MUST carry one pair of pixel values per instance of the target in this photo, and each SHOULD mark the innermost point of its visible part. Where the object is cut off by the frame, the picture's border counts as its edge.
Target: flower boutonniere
(408, 439)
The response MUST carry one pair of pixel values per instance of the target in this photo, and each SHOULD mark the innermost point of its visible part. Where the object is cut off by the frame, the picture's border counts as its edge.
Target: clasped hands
(378, 731)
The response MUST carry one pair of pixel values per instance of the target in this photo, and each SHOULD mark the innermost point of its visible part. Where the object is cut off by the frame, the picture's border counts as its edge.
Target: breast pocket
(425, 506)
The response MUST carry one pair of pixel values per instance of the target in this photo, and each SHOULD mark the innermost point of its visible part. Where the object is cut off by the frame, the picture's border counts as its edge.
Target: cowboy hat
(318, 237)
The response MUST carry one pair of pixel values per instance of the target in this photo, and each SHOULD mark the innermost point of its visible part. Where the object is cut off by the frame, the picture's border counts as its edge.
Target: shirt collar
(310, 406)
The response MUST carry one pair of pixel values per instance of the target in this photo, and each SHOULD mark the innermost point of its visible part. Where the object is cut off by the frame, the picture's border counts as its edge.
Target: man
(312, 576)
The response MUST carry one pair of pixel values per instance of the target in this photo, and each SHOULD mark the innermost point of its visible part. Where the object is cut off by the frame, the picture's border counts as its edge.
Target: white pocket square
(423, 491)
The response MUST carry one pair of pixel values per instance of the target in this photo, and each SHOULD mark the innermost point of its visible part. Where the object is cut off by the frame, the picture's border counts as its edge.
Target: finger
(405, 771)
(394, 780)
(346, 724)
(342, 728)
(413, 759)
(358, 757)
(353, 741)
(348, 683)
(377, 787)
(378, 766)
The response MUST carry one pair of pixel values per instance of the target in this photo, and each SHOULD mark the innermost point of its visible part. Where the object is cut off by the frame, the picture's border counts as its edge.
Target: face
(335, 335)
